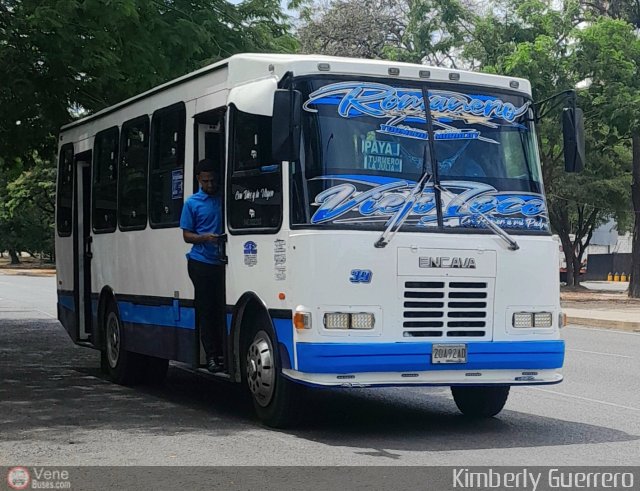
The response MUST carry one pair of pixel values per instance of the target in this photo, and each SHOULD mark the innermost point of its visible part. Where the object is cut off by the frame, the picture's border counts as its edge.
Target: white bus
(371, 240)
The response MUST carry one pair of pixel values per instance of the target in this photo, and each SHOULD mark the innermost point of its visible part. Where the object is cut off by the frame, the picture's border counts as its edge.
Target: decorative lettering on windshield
(376, 200)
(403, 106)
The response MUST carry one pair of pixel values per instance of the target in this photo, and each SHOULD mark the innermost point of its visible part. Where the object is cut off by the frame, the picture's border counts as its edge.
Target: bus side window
(132, 179)
(65, 191)
(166, 168)
(104, 193)
(255, 198)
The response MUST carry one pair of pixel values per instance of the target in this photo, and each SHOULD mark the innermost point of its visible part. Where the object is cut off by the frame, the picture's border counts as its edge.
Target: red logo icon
(18, 478)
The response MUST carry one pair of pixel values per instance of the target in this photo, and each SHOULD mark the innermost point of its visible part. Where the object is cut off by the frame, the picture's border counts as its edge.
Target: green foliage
(26, 212)
(553, 47)
(62, 58)
(59, 56)
(407, 30)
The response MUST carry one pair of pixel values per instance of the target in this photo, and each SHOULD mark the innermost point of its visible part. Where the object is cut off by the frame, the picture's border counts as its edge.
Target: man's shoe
(213, 367)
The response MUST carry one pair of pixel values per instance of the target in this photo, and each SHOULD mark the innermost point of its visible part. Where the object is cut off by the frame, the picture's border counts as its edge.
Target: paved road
(57, 409)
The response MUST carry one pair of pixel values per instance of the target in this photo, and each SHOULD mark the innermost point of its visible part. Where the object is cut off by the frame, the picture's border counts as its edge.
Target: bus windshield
(364, 150)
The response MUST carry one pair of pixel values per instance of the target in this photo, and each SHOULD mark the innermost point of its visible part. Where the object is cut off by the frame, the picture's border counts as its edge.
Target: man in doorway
(201, 224)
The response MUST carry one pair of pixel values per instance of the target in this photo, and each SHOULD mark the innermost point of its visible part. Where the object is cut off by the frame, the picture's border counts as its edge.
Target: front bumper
(510, 363)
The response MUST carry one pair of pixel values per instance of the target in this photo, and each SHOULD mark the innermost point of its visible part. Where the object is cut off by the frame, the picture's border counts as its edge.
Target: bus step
(187, 367)
(219, 375)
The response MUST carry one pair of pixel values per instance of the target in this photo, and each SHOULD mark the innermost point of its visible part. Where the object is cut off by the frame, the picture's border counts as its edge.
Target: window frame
(233, 174)
(63, 149)
(182, 142)
(93, 180)
(123, 128)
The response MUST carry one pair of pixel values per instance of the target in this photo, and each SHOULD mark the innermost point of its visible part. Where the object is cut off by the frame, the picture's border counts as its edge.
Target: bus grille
(452, 308)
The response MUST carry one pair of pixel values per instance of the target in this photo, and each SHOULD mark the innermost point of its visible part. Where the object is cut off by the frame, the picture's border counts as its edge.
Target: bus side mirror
(573, 136)
(285, 133)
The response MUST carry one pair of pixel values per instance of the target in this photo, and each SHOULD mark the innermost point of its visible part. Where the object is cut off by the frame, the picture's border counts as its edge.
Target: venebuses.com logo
(18, 478)
(38, 478)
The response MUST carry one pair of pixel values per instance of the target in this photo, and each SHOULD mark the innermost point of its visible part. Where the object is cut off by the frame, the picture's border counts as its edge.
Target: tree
(610, 57)
(59, 59)
(66, 58)
(26, 213)
(626, 102)
(534, 40)
(418, 31)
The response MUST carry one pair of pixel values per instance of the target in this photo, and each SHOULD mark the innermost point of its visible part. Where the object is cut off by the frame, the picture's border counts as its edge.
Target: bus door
(82, 246)
(209, 136)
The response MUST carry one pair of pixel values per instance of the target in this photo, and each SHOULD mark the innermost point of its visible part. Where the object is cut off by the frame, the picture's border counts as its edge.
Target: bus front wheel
(480, 402)
(272, 394)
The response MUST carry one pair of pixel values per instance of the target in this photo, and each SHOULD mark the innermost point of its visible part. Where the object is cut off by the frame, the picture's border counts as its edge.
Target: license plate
(449, 353)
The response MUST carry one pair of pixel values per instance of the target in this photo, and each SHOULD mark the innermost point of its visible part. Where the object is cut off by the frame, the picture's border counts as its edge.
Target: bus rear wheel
(273, 395)
(480, 402)
(121, 366)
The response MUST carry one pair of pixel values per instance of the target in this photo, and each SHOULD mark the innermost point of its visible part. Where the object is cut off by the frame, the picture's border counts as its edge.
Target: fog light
(336, 320)
(523, 319)
(362, 320)
(542, 319)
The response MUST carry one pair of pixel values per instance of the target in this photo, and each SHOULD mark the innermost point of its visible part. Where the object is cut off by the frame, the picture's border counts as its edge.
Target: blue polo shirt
(202, 214)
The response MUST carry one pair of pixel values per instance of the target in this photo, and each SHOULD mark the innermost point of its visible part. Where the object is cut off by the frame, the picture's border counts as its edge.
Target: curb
(27, 272)
(628, 326)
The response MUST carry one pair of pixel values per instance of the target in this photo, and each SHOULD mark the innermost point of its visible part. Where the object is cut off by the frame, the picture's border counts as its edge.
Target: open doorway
(209, 143)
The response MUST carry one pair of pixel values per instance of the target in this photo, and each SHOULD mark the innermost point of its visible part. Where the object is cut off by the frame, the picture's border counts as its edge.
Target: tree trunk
(567, 250)
(634, 284)
(576, 272)
(14, 256)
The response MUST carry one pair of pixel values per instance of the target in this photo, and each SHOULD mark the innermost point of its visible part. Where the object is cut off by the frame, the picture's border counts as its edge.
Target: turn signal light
(302, 320)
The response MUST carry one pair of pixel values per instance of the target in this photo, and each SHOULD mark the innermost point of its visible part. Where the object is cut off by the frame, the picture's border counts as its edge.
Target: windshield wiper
(513, 245)
(402, 214)
(425, 178)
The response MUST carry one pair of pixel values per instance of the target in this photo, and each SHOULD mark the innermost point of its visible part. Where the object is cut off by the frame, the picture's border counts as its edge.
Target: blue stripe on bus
(406, 357)
(284, 332)
(158, 315)
(67, 301)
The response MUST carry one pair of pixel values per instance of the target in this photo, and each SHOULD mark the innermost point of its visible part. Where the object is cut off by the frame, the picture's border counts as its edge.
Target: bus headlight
(542, 319)
(523, 319)
(349, 320)
(532, 319)
(362, 320)
(336, 320)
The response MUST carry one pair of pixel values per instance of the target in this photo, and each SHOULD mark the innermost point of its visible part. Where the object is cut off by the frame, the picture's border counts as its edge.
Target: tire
(274, 397)
(122, 367)
(480, 402)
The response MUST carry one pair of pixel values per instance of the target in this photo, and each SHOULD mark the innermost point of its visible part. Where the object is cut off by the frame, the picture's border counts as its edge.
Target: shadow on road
(50, 386)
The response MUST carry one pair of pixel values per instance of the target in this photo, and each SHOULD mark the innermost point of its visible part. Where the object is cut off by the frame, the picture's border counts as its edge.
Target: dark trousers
(208, 281)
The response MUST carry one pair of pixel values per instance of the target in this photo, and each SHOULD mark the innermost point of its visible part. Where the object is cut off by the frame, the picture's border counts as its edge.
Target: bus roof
(252, 66)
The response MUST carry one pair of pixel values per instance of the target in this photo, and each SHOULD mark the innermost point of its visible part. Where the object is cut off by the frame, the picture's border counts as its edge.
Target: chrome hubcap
(113, 339)
(260, 369)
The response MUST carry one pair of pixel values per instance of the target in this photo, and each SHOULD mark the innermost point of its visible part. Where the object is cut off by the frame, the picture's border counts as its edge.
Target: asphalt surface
(56, 408)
